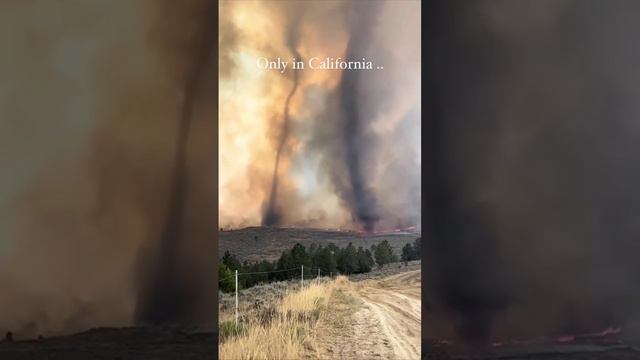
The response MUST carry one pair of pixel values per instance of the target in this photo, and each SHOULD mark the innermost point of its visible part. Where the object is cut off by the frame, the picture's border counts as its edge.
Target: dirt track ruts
(395, 300)
(374, 319)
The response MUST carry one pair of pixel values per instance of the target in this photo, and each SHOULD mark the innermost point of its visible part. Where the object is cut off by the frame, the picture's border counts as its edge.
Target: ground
(135, 343)
(620, 352)
(373, 319)
(600, 348)
(267, 243)
(376, 316)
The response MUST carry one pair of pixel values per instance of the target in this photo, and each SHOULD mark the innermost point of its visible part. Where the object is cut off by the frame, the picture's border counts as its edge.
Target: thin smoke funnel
(272, 215)
(167, 297)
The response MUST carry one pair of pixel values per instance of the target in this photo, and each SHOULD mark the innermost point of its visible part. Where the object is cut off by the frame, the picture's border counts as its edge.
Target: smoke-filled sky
(347, 142)
(91, 99)
(531, 167)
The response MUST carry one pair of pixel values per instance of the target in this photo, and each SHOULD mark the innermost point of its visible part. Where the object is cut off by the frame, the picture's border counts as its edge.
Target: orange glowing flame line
(387, 231)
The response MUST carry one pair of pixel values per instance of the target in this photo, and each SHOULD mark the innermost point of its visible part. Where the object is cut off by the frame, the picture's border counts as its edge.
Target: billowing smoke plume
(531, 141)
(357, 193)
(92, 100)
(350, 157)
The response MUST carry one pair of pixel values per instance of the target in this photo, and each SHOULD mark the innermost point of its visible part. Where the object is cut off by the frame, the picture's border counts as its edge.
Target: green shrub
(229, 329)
(226, 279)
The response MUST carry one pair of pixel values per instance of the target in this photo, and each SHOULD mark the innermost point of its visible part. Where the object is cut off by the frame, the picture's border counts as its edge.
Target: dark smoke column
(462, 266)
(168, 297)
(359, 197)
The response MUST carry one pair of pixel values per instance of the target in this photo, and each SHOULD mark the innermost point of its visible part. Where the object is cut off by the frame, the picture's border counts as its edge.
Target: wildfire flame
(609, 333)
(251, 112)
(315, 179)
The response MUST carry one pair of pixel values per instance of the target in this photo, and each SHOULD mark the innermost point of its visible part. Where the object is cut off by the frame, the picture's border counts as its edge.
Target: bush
(229, 329)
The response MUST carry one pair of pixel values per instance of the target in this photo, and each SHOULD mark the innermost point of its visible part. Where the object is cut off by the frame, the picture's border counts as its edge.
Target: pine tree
(347, 260)
(226, 280)
(384, 254)
(365, 261)
(300, 256)
(284, 262)
(408, 253)
(324, 260)
(417, 247)
(231, 261)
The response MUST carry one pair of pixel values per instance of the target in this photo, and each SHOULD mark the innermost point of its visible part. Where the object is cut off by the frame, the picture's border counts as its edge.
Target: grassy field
(327, 318)
(282, 329)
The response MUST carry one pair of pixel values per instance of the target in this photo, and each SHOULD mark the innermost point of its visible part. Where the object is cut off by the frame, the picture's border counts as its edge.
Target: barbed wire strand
(267, 272)
(311, 272)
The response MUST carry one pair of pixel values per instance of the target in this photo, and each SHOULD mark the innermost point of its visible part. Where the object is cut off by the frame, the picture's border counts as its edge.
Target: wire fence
(308, 273)
(300, 273)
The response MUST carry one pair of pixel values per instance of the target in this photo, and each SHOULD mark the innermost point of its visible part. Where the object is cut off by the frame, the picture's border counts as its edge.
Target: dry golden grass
(342, 280)
(307, 300)
(290, 332)
(281, 339)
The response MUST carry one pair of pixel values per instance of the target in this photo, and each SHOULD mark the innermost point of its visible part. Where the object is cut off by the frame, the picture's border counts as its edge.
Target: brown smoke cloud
(328, 169)
(91, 101)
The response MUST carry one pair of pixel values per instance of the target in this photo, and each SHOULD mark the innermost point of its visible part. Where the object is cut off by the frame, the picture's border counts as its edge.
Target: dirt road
(395, 301)
(373, 319)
